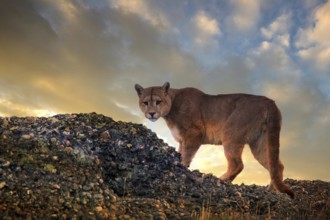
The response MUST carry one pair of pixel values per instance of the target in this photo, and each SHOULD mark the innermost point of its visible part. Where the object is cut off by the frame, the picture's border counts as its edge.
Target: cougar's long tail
(273, 148)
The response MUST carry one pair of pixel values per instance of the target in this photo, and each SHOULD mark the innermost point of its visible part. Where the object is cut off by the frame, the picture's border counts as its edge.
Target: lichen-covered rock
(90, 166)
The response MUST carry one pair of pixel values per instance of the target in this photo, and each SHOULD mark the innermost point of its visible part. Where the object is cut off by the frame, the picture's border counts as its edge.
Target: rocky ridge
(89, 166)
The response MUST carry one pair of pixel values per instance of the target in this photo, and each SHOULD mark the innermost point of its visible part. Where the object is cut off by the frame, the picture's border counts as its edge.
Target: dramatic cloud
(246, 15)
(314, 42)
(279, 29)
(207, 29)
(84, 56)
(142, 9)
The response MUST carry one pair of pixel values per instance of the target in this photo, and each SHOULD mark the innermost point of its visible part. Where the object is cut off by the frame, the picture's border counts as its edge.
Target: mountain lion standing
(232, 120)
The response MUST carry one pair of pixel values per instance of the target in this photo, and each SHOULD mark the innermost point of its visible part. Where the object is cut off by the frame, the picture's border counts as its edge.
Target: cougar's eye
(158, 102)
(145, 103)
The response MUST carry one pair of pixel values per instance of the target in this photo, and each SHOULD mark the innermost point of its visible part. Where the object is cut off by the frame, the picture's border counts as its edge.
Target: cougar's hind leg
(233, 155)
(259, 151)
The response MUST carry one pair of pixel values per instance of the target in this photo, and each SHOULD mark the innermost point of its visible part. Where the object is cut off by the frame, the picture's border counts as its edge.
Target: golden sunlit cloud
(246, 14)
(207, 28)
(281, 25)
(314, 41)
(141, 8)
(279, 30)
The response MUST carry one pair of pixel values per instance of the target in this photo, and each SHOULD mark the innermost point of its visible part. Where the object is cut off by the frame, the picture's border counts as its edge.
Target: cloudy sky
(85, 56)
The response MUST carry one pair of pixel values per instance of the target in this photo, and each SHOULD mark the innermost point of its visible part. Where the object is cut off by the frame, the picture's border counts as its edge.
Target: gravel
(88, 166)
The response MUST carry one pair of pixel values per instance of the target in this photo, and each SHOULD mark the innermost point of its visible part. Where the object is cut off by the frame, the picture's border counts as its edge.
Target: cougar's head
(154, 102)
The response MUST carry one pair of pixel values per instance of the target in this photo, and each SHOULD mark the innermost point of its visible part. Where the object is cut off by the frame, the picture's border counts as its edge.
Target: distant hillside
(89, 166)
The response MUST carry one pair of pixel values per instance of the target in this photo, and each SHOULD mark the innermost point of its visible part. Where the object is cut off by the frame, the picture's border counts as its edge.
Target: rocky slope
(89, 166)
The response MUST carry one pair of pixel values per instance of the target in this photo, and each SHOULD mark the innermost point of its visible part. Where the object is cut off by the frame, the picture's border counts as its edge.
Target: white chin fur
(153, 119)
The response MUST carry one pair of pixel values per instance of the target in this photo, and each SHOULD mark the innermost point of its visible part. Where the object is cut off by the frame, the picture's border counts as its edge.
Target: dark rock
(92, 167)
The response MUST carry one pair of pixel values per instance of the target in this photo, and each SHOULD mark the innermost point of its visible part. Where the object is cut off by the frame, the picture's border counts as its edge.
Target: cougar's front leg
(187, 153)
(189, 142)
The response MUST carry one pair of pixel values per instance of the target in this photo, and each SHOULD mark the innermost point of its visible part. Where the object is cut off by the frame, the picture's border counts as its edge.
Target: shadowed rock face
(88, 165)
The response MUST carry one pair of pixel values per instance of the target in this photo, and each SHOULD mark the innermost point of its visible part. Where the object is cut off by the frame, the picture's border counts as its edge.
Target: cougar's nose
(152, 114)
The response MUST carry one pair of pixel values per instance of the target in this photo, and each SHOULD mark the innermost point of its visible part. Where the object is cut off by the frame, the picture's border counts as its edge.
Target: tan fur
(232, 120)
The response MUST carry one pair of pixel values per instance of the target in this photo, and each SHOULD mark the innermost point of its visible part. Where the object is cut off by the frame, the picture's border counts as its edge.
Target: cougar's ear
(139, 89)
(166, 87)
